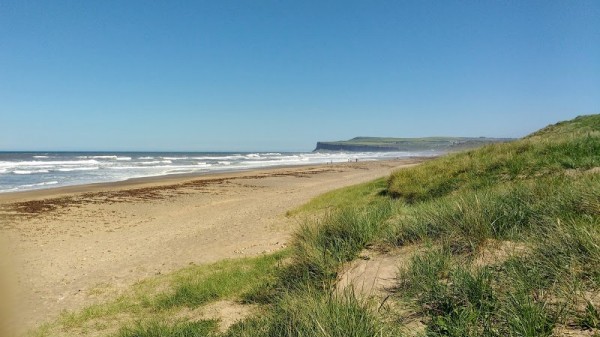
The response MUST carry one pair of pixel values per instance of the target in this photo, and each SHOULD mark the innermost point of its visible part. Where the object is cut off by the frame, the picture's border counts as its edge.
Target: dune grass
(564, 146)
(315, 313)
(320, 248)
(203, 328)
(527, 295)
(193, 287)
(541, 193)
(346, 197)
(148, 307)
(301, 302)
(512, 211)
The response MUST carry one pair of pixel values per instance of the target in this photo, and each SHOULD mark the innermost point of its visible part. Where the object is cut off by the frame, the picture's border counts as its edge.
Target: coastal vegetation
(506, 242)
(170, 304)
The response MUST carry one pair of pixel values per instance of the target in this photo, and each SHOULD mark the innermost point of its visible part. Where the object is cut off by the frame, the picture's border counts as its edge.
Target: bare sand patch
(497, 252)
(226, 312)
(374, 277)
(375, 273)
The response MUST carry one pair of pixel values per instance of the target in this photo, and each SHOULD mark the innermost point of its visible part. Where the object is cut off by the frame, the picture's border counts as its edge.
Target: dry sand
(67, 243)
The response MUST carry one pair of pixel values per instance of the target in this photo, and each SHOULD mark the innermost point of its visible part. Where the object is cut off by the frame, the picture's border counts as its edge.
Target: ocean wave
(29, 171)
(106, 167)
(235, 156)
(113, 157)
(147, 168)
(290, 156)
(270, 162)
(17, 164)
(154, 162)
(9, 190)
(70, 169)
(293, 157)
(41, 184)
(97, 157)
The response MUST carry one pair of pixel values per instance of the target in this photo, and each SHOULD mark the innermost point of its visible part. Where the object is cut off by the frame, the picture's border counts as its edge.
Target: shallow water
(21, 171)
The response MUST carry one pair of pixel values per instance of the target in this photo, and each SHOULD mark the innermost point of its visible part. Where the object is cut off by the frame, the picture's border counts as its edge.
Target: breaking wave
(26, 171)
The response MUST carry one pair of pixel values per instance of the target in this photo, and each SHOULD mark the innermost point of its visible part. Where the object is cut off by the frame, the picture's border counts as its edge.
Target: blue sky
(281, 75)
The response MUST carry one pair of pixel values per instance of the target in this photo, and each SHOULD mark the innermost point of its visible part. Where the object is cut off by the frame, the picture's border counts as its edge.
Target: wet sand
(67, 243)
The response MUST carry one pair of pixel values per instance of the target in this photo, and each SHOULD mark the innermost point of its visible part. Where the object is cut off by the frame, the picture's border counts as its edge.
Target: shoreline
(140, 182)
(75, 246)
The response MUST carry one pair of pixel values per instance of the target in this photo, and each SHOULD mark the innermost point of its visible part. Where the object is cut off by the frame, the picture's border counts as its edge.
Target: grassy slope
(548, 152)
(541, 193)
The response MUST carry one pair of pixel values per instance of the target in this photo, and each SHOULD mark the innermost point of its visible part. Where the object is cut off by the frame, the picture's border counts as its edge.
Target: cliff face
(375, 144)
(325, 146)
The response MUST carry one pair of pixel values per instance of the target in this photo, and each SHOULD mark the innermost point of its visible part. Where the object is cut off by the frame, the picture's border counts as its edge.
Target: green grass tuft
(203, 328)
(227, 279)
(320, 248)
(314, 313)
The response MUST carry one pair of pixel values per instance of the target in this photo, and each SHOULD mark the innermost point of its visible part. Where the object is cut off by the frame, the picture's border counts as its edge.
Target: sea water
(21, 171)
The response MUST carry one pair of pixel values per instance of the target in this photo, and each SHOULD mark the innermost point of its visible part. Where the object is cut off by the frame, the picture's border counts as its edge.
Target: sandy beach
(74, 246)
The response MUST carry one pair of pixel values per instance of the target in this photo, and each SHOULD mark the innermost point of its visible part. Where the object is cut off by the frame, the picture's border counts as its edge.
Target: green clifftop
(380, 144)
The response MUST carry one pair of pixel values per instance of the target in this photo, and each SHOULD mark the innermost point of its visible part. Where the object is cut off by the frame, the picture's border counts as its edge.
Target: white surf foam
(17, 164)
(229, 157)
(41, 184)
(121, 166)
(97, 157)
(29, 171)
(22, 172)
(64, 169)
(10, 190)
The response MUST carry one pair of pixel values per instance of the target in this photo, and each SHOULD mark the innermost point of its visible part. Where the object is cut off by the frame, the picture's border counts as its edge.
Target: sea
(23, 171)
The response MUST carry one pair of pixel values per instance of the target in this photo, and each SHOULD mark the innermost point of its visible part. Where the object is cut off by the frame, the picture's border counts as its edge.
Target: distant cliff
(379, 144)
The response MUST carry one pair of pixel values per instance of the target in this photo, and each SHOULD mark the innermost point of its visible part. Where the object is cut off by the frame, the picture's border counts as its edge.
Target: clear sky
(281, 75)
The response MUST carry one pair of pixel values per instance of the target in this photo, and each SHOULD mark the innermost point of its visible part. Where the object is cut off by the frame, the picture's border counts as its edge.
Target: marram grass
(540, 193)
